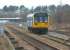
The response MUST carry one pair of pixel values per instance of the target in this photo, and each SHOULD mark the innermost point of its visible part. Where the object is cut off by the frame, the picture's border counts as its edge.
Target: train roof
(40, 12)
(30, 15)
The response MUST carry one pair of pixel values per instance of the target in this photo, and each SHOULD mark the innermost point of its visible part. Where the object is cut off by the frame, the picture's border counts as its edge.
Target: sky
(34, 3)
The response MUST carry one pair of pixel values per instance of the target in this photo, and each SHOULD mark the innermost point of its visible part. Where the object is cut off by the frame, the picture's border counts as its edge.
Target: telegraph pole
(61, 2)
(60, 20)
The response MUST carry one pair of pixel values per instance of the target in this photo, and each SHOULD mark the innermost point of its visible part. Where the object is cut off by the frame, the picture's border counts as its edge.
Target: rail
(46, 40)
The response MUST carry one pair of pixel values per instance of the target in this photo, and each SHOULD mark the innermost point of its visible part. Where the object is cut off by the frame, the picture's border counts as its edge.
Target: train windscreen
(41, 17)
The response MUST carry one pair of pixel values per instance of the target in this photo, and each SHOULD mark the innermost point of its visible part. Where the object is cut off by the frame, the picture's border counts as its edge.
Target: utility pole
(62, 19)
(59, 22)
(61, 2)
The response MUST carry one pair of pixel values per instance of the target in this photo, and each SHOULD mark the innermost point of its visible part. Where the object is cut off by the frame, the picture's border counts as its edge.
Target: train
(38, 22)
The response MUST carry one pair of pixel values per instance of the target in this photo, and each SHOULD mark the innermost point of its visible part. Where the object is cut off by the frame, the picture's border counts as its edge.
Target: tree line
(59, 13)
(13, 8)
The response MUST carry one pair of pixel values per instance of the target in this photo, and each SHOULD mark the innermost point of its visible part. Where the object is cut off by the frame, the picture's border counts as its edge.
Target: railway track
(35, 43)
(19, 44)
(43, 40)
(62, 41)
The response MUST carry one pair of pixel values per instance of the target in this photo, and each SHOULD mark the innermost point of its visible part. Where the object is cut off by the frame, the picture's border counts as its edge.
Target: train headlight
(46, 20)
(20, 25)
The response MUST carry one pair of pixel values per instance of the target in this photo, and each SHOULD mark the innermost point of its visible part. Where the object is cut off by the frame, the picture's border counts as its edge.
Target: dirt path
(2, 44)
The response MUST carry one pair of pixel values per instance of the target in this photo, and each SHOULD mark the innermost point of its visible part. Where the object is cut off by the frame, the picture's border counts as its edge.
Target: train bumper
(40, 30)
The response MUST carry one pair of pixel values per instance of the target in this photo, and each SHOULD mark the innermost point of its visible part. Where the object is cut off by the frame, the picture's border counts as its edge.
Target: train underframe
(38, 30)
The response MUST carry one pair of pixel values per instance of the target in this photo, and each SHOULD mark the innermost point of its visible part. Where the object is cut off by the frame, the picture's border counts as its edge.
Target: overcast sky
(30, 3)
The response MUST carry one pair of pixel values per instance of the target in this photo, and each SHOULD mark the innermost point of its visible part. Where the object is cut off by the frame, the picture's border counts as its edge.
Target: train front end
(40, 23)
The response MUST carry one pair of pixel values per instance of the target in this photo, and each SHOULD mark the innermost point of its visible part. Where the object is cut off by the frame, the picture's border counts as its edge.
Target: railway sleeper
(19, 48)
(11, 38)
